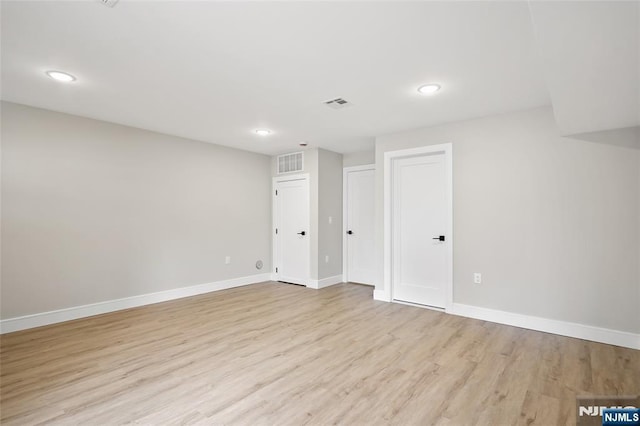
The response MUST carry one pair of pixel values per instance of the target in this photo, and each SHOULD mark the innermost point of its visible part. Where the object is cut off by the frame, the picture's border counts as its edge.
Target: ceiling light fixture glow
(61, 76)
(263, 132)
(428, 89)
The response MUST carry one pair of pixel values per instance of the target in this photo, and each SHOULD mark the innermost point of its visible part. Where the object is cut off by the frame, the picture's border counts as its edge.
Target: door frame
(274, 246)
(447, 149)
(345, 173)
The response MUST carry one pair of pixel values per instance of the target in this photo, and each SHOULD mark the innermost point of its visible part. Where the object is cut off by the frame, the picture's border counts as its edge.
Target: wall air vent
(109, 3)
(337, 103)
(288, 163)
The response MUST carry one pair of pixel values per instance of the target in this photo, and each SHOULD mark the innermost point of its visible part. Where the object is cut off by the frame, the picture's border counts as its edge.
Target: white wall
(93, 211)
(552, 223)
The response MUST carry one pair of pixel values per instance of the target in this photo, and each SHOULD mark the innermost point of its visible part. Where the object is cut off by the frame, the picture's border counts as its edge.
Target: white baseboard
(381, 296)
(45, 318)
(325, 282)
(580, 331)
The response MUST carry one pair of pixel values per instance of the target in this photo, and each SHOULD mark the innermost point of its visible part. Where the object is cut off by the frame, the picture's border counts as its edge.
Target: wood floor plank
(274, 353)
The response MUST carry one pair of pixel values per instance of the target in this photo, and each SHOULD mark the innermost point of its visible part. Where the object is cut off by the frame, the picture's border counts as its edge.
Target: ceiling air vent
(109, 3)
(337, 103)
(288, 163)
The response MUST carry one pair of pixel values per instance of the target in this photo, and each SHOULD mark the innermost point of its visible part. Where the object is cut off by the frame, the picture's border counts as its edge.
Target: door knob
(302, 233)
(440, 238)
(349, 232)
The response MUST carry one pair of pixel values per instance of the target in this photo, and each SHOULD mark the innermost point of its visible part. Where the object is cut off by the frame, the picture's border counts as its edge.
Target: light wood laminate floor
(280, 354)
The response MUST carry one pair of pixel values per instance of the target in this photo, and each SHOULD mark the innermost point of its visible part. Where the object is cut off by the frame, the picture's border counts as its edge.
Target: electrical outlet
(227, 260)
(330, 220)
(477, 278)
(326, 259)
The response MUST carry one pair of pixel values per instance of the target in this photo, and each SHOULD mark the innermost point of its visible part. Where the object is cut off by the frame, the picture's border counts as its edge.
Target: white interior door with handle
(291, 239)
(420, 252)
(359, 225)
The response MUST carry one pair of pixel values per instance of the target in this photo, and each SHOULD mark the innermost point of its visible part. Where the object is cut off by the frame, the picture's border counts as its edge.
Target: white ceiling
(215, 71)
(591, 59)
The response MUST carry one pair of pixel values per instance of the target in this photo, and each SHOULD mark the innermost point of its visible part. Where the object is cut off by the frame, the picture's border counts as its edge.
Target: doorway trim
(386, 294)
(274, 246)
(345, 173)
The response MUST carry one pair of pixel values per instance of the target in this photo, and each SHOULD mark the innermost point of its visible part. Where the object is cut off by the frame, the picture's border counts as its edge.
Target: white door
(291, 213)
(419, 223)
(359, 225)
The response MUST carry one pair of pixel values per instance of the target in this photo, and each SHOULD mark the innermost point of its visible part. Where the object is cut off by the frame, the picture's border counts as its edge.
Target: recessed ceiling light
(61, 76)
(429, 89)
(263, 132)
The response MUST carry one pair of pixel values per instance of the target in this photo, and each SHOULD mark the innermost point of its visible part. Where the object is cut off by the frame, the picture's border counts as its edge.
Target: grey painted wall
(93, 211)
(361, 158)
(329, 205)
(628, 136)
(552, 223)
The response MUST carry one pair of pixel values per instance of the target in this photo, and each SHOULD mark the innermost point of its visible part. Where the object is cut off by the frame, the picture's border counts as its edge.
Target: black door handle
(302, 233)
(440, 238)
(349, 232)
